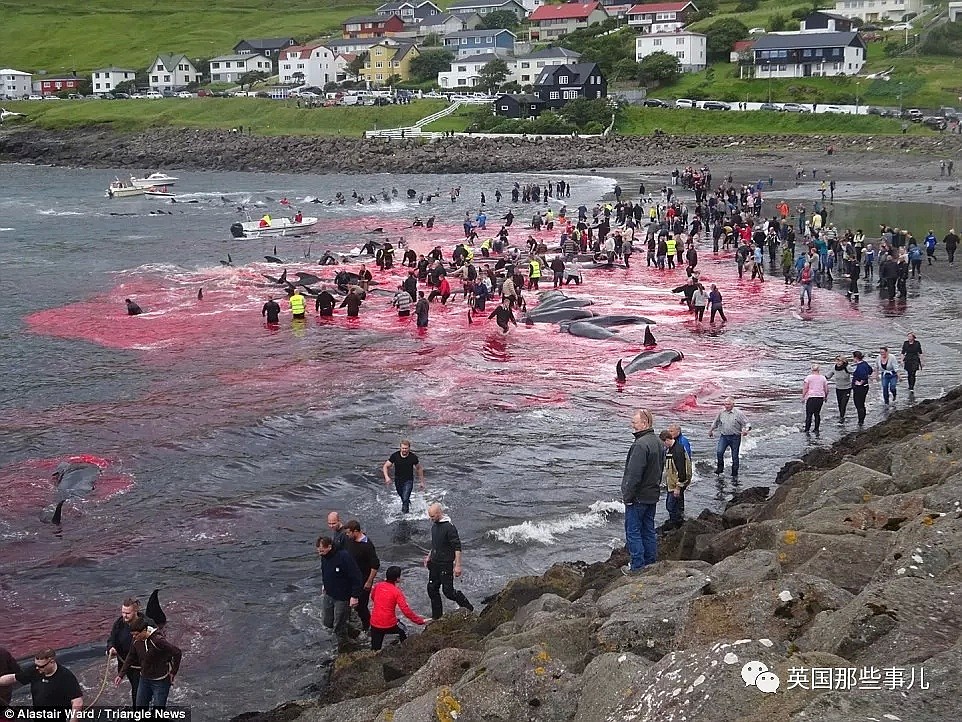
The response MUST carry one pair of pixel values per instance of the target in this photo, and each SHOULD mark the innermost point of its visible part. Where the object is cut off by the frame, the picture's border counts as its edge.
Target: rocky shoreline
(853, 564)
(197, 149)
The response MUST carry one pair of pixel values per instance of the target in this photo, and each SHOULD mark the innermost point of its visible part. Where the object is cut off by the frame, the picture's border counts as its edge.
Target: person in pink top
(386, 598)
(814, 391)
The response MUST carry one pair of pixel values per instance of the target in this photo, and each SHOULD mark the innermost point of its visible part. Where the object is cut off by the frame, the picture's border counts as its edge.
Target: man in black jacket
(640, 489)
(120, 641)
(444, 562)
(359, 546)
(342, 585)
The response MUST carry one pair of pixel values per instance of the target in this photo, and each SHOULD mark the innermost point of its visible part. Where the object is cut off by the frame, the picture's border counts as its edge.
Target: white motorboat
(154, 179)
(123, 189)
(267, 226)
(158, 192)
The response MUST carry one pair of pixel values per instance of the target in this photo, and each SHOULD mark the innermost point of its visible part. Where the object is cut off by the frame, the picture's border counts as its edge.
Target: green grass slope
(260, 115)
(62, 35)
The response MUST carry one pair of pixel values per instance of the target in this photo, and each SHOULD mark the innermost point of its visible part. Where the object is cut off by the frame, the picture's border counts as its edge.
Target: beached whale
(585, 329)
(74, 479)
(558, 314)
(647, 360)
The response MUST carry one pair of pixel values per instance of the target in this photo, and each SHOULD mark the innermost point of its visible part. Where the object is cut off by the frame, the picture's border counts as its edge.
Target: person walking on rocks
(731, 425)
(342, 585)
(444, 562)
(640, 490)
(888, 373)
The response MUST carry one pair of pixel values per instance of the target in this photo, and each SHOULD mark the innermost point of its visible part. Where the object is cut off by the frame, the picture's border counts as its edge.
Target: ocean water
(225, 443)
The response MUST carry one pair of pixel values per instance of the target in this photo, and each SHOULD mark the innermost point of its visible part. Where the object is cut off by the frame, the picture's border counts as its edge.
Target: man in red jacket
(387, 597)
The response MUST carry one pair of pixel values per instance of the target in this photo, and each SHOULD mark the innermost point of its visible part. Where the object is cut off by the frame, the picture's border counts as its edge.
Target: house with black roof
(523, 107)
(268, 47)
(821, 21)
(558, 84)
(408, 11)
(807, 54)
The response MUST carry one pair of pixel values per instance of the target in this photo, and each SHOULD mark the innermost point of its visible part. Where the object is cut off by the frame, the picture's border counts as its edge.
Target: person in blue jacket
(860, 376)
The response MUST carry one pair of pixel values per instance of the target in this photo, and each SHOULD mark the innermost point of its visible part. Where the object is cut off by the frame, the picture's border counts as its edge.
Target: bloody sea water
(225, 443)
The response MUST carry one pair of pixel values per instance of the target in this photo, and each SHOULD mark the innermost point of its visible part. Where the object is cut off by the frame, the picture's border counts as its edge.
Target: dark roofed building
(558, 84)
(806, 54)
(519, 106)
(830, 22)
(268, 47)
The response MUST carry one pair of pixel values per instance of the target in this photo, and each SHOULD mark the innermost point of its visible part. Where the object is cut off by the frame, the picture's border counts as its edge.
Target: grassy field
(87, 34)
(261, 116)
(644, 121)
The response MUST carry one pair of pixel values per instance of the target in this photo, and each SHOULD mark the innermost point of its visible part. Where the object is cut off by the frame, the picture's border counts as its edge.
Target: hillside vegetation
(62, 35)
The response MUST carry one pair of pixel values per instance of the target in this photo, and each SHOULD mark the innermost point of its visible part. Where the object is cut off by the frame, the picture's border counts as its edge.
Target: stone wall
(192, 149)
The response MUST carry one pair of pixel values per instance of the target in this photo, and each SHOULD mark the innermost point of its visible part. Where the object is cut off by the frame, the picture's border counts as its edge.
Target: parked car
(914, 114)
(900, 26)
(935, 122)
(716, 105)
(655, 103)
(770, 106)
(686, 103)
(153, 95)
(832, 109)
(35, 97)
(948, 112)
(756, 31)
(51, 97)
(795, 108)
(381, 101)
(185, 94)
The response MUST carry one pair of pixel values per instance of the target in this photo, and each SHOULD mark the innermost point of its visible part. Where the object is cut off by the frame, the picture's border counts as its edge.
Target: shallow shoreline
(196, 149)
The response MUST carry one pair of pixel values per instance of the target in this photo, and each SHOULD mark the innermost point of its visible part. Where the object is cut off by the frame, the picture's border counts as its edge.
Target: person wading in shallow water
(732, 426)
(404, 464)
(444, 562)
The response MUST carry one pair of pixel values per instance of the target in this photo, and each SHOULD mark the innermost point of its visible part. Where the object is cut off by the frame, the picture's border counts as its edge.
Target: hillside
(86, 34)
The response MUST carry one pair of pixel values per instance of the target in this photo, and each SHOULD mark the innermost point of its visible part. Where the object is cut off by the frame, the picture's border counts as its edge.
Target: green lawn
(262, 116)
(85, 34)
(643, 121)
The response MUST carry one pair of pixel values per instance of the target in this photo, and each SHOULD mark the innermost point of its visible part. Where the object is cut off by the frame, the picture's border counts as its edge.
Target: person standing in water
(911, 359)
(842, 375)
(444, 562)
(271, 311)
(814, 392)
(888, 373)
(502, 314)
(404, 463)
(132, 308)
(860, 376)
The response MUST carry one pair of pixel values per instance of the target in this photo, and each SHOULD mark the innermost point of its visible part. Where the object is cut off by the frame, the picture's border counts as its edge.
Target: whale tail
(57, 514)
(649, 337)
(154, 610)
(620, 372)
(283, 279)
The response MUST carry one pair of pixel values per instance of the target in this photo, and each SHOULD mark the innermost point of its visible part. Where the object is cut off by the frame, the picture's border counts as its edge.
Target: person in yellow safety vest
(653, 214)
(468, 254)
(534, 274)
(265, 220)
(297, 304)
(486, 247)
(672, 246)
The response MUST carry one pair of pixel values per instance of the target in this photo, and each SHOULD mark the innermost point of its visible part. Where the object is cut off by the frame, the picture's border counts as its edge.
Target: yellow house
(385, 60)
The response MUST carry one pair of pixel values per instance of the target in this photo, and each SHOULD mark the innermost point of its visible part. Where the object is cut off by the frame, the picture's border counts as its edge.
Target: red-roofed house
(549, 22)
(311, 64)
(372, 26)
(742, 51)
(661, 17)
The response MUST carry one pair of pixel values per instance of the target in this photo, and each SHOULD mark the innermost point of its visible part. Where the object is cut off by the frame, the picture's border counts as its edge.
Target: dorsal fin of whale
(57, 514)
(154, 610)
(649, 337)
(200, 294)
(620, 372)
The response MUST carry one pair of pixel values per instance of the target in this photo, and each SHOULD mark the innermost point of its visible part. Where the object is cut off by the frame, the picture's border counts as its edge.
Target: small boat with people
(267, 226)
(154, 179)
(158, 192)
(123, 189)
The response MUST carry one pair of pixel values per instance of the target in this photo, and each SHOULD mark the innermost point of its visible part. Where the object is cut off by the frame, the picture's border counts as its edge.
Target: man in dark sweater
(342, 585)
(121, 640)
(640, 489)
(443, 562)
(8, 665)
(365, 556)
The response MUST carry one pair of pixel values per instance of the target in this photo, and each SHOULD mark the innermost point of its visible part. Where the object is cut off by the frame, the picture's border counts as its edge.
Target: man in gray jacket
(640, 490)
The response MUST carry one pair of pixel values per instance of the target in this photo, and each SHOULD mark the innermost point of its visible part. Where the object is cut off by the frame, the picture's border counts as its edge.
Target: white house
(806, 54)
(874, 10)
(106, 80)
(664, 17)
(527, 68)
(550, 22)
(955, 11)
(689, 48)
(312, 64)
(172, 72)
(14, 84)
(231, 68)
(464, 72)
(483, 7)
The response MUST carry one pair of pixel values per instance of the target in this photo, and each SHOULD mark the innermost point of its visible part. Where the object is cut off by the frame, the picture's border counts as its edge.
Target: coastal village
(507, 51)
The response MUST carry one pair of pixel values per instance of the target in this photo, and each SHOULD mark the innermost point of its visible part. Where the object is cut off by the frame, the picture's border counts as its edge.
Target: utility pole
(857, 86)
(900, 99)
